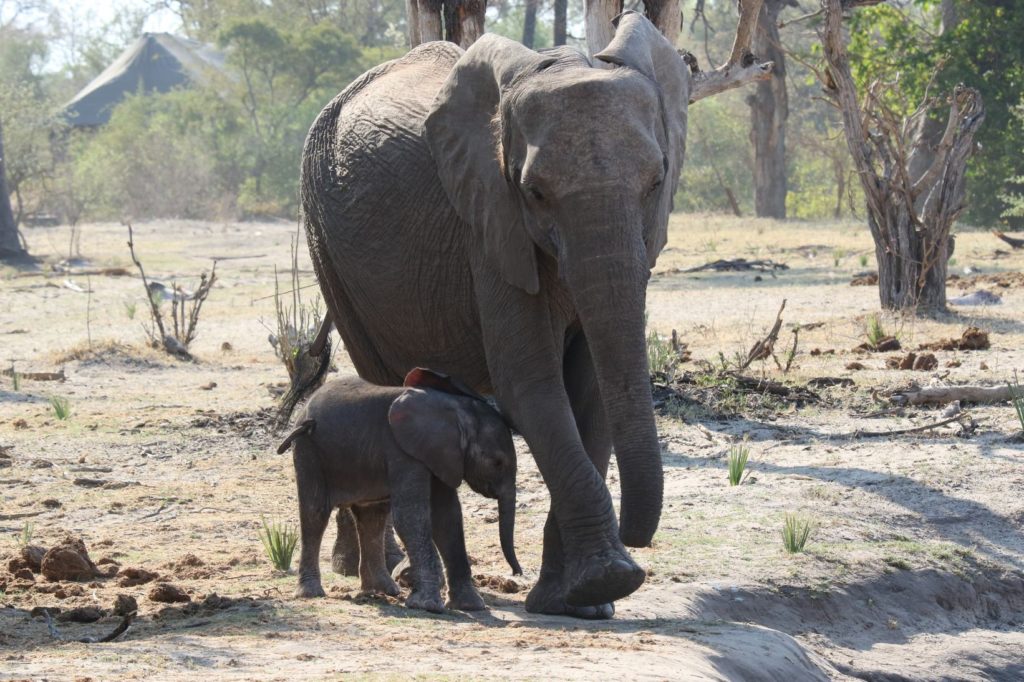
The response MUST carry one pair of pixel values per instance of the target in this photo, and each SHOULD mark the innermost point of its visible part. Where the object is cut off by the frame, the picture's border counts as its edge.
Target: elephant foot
(309, 589)
(381, 584)
(606, 577)
(466, 598)
(548, 597)
(426, 600)
(345, 563)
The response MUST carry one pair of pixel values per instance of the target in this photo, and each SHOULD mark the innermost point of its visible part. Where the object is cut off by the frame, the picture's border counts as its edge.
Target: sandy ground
(914, 570)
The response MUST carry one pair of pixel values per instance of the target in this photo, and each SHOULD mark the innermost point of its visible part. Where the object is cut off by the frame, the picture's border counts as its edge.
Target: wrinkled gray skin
(494, 213)
(357, 446)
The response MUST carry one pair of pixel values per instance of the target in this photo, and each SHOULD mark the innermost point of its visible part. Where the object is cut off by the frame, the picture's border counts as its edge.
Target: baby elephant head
(458, 435)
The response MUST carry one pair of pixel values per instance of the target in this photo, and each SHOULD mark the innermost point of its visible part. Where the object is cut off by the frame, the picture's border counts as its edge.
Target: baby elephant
(359, 445)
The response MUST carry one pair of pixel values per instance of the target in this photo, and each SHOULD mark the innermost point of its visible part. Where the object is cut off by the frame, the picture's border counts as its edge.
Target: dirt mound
(69, 561)
(190, 567)
(111, 353)
(499, 583)
(130, 577)
(250, 425)
(972, 339)
(168, 594)
(925, 362)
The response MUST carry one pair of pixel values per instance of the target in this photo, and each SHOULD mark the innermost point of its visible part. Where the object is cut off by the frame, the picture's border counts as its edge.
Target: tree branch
(742, 66)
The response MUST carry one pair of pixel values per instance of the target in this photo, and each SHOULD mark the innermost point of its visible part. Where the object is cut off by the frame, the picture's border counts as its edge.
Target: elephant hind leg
(371, 521)
(345, 555)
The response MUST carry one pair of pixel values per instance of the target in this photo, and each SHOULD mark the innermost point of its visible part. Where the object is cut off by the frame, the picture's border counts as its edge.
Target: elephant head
(549, 156)
(458, 435)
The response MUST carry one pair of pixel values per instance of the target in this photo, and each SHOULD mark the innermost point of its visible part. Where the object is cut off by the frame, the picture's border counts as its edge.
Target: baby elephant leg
(446, 514)
(345, 556)
(371, 522)
(392, 552)
(314, 513)
(410, 507)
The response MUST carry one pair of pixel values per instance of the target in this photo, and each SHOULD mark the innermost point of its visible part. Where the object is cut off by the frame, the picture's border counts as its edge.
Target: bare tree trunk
(10, 244)
(910, 214)
(769, 109)
(412, 21)
(561, 20)
(429, 17)
(598, 21)
(464, 21)
(530, 23)
(666, 16)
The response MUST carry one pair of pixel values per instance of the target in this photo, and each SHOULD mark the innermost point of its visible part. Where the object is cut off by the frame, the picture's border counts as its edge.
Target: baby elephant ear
(431, 427)
(422, 377)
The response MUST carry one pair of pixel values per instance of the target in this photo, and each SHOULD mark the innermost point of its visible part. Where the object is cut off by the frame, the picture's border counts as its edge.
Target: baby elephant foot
(308, 589)
(345, 563)
(465, 598)
(426, 600)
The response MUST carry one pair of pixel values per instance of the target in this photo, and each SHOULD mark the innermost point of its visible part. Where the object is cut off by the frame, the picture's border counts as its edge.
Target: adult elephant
(493, 214)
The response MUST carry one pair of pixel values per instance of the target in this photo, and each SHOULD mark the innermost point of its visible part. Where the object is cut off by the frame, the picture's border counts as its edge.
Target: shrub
(738, 455)
(279, 541)
(796, 529)
(61, 407)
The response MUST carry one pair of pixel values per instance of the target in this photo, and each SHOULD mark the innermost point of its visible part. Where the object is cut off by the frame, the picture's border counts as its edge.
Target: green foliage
(874, 330)
(737, 459)
(279, 541)
(718, 155)
(61, 407)
(661, 358)
(983, 50)
(15, 380)
(796, 529)
(130, 308)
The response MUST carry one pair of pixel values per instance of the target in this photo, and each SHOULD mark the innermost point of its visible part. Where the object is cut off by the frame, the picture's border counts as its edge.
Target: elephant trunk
(506, 530)
(606, 270)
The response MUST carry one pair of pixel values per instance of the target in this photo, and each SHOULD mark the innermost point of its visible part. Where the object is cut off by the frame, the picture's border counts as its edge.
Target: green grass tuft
(130, 308)
(738, 456)
(16, 381)
(61, 407)
(864, 260)
(795, 531)
(279, 541)
(27, 530)
(1017, 398)
(874, 330)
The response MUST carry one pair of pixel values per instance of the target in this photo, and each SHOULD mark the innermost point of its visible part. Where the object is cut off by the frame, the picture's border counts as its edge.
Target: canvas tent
(156, 62)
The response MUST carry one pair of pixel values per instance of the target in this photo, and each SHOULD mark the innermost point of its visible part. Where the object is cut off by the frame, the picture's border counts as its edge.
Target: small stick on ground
(154, 311)
(763, 349)
(121, 628)
(900, 432)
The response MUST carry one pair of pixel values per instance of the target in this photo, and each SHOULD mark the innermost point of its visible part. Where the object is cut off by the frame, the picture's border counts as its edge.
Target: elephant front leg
(371, 522)
(410, 509)
(450, 539)
(548, 595)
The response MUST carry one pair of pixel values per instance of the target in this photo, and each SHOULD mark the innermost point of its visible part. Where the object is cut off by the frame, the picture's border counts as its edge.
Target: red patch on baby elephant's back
(421, 377)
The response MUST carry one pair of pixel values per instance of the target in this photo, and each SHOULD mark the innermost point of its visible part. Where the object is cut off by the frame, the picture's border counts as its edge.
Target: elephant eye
(654, 187)
(534, 192)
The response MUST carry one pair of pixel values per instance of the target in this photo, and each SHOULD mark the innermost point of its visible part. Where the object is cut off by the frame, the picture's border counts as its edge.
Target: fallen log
(739, 265)
(1012, 241)
(940, 395)
(35, 376)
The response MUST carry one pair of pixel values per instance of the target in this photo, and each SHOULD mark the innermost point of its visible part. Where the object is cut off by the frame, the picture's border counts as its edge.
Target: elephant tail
(305, 428)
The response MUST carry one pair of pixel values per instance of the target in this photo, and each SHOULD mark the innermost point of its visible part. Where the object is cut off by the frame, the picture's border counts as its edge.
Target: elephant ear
(639, 45)
(421, 377)
(430, 426)
(465, 149)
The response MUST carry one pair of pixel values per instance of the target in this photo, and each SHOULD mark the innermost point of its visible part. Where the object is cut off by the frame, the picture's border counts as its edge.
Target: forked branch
(742, 68)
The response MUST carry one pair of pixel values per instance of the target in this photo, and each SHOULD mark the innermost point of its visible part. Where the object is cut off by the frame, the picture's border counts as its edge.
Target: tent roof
(155, 62)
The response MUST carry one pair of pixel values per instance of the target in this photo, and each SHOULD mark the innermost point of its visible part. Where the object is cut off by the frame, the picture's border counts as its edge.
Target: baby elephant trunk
(506, 531)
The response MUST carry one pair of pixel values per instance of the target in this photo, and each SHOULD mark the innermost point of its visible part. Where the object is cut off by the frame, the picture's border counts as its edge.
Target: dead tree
(10, 242)
(769, 109)
(909, 213)
(741, 68)
(457, 21)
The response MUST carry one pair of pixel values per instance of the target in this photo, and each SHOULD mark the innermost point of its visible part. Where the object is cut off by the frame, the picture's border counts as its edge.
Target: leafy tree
(980, 45)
